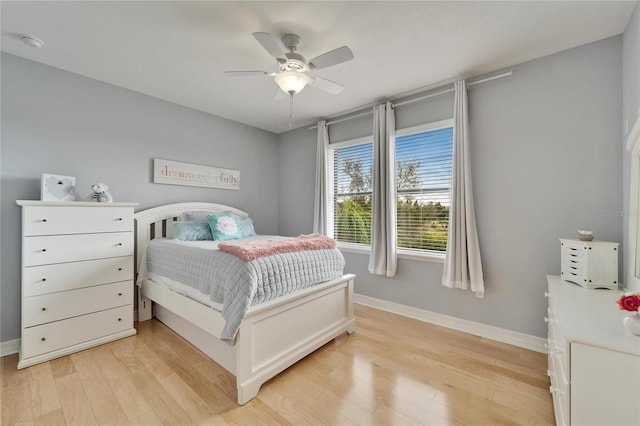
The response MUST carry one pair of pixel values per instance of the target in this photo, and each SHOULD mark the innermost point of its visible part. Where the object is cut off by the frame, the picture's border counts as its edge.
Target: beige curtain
(320, 222)
(462, 266)
(383, 258)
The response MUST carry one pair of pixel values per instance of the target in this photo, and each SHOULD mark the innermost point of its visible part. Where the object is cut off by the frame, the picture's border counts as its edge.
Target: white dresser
(594, 362)
(77, 277)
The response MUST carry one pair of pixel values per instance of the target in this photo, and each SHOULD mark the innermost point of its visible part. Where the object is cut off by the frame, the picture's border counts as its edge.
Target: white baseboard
(522, 340)
(9, 347)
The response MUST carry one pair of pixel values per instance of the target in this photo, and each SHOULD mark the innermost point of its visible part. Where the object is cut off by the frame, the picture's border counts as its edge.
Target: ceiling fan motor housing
(295, 62)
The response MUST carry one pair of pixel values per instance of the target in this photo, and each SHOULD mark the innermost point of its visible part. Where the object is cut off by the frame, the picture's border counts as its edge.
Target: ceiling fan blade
(247, 73)
(270, 44)
(327, 85)
(333, 57)
(280, 95)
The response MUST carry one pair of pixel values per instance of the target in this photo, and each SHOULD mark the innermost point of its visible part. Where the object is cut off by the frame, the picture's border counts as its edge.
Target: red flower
(629, 302)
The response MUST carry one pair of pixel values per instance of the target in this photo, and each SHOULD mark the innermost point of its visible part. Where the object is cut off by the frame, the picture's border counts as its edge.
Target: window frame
(403, 253)
(353, 247)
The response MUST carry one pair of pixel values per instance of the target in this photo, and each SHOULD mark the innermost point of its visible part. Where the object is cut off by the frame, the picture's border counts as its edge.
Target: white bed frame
(272, 336)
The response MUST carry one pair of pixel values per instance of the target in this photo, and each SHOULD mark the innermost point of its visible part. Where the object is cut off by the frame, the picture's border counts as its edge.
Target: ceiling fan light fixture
(292, 82)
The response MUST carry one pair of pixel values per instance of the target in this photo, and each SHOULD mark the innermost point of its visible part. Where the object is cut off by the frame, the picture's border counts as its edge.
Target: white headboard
(152, 223)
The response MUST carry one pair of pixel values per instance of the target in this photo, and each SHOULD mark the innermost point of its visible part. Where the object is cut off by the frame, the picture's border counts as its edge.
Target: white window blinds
(423, 178)
(352, 182)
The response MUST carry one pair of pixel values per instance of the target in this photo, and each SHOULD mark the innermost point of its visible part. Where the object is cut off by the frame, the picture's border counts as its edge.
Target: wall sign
(177, 173)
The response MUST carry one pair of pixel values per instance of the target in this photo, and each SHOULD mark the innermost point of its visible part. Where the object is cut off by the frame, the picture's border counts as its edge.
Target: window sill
(402, 254)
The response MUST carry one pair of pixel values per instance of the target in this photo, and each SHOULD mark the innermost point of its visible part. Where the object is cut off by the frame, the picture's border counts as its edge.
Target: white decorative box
(591, 264)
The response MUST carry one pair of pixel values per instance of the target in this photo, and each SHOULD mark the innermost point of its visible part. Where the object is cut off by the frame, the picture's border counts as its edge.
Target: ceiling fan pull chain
(291, 110)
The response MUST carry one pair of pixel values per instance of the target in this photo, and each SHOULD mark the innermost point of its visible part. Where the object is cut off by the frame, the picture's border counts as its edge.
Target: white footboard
(277, 335)
(272, 336)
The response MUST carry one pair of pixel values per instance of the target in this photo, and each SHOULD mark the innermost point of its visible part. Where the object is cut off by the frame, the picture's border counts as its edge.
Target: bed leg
(351, 329)
(144, 307)
(247, 392)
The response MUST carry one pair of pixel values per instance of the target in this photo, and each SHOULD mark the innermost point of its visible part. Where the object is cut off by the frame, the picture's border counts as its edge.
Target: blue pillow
(191, 231)
(245, 225)
(224, 227)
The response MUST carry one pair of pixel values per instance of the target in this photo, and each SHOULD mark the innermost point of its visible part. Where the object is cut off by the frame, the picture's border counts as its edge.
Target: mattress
(227, 280)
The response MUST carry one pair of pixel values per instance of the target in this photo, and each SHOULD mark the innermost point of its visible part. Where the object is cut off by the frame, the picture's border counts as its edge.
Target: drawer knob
(44, 249)
(44, 220)
(119, 269)
(119, 294)
(43, 339)
(44, 309)
(119, 218)
(119, 319)
(44, 279)
(119, 244)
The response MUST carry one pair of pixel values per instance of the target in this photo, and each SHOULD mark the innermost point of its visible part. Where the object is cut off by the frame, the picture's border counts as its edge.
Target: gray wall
(57, 122)
(546, 161)
(630, 104)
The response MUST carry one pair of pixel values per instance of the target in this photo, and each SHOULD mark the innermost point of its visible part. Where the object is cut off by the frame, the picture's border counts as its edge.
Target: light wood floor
(391, 371)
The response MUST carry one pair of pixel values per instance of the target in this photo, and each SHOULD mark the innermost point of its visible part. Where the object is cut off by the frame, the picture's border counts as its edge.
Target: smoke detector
(31, 41)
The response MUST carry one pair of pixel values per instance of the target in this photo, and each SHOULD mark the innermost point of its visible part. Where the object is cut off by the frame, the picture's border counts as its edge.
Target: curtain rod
(419, 98)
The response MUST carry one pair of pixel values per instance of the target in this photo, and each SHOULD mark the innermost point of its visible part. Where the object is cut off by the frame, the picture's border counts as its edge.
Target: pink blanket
(250, 250)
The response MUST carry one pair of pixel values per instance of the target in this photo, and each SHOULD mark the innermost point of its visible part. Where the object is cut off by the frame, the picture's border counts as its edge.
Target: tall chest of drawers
(77, 277)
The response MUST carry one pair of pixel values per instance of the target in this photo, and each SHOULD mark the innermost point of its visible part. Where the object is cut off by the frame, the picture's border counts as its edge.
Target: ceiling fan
(294, 71)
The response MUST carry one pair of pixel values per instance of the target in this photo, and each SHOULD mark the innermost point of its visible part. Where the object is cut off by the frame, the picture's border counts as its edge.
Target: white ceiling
(178, 50)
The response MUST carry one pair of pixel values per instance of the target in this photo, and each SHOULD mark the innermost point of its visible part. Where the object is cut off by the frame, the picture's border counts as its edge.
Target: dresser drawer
(558, 363)
(558, 366)
(561, 402)
(48, 220)
(61, 334)
(68, 276)
(576, 251)
(68, 248)
(578, 276)
(576, 262)
(558, 346)
(66, 304)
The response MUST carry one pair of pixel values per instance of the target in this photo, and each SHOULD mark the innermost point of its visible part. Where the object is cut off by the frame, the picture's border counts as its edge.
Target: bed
(272, 335)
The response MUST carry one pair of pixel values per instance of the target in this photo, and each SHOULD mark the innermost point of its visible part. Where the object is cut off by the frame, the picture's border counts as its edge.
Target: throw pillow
(191, 231)
(223, 227)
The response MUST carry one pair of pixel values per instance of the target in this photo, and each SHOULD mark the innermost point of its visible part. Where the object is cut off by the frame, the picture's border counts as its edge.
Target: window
(352, 180)
(423, 180)
(423, 165)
